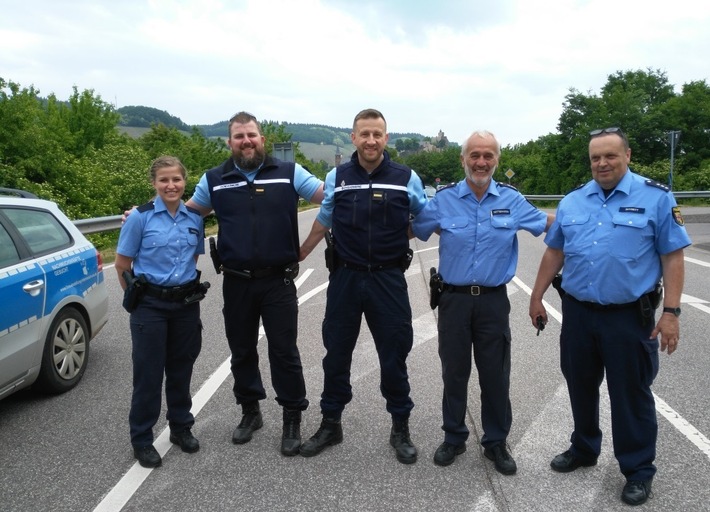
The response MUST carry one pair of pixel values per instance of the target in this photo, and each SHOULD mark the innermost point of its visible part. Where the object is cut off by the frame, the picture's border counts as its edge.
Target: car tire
(66, 353)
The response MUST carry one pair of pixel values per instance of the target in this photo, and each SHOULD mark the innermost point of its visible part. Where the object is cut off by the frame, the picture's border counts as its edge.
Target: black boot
(291, 438)
(251, 421)
(330, 433)
(402, 444)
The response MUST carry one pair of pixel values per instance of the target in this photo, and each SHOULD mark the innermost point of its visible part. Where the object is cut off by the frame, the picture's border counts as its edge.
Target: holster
(406, 260)
(214, 255)
(557, 285)
(134, 291)
(436, 286)
(648, 303)
(331, 257)
(290, 273)
(199, 293)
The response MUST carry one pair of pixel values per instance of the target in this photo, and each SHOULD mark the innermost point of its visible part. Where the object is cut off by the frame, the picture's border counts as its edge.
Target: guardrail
(113, 222)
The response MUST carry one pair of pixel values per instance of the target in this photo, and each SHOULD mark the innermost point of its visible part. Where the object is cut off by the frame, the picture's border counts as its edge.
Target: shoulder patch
(146, 207)
(657, 184)
(677, 217)
(506, 185)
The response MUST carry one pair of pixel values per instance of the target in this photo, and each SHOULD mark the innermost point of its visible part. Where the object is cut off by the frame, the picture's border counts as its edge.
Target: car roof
(13, 192)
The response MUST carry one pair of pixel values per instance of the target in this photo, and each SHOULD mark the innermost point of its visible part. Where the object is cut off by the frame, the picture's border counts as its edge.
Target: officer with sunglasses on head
(616, 236)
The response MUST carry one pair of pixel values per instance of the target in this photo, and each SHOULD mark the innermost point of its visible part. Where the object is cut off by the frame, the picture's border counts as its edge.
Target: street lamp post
(673, 137)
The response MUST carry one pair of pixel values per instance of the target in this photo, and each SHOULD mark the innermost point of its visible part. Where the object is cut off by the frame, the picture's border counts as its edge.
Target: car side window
(40, 229)
(8, 252)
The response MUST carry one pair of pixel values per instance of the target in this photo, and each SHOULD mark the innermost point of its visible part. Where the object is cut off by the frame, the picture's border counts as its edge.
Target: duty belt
(171, 293)
(254, 274)
(472, 289)
(603, 307)
(368, 268)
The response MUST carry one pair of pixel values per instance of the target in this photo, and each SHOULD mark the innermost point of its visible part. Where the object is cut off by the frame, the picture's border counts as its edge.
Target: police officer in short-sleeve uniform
(161, 242)
(617, 236)
(477, 220)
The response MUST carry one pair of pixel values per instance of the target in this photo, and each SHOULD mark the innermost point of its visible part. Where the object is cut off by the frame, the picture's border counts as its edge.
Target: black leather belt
(254, 274)
(473, 289)
(603, 307)
(368, 268)
(171, 293)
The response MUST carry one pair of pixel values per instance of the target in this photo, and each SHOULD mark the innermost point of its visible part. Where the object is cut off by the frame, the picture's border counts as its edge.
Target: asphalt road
(72, 452)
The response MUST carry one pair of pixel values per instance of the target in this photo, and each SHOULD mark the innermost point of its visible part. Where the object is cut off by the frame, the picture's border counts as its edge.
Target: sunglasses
(600, 131)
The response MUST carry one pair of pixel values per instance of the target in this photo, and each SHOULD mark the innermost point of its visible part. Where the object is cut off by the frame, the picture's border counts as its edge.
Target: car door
(22, 295)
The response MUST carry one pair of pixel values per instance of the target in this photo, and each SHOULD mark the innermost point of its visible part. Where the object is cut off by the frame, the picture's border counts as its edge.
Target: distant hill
(143, 117)
(318, 142)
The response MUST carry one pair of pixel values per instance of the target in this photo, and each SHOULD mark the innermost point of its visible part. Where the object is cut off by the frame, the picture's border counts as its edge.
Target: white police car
(53, 299)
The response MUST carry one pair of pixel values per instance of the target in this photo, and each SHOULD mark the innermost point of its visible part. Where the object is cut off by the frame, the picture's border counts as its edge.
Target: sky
(452, 65)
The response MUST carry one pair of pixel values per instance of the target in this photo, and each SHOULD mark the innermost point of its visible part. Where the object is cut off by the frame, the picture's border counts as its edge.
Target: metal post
(673, 136)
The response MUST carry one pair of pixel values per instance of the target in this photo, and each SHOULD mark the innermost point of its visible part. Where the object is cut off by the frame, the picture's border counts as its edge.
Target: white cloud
(457, 67)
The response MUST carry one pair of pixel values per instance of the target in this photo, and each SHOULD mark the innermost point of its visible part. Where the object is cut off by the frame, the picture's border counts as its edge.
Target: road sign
(509, 173)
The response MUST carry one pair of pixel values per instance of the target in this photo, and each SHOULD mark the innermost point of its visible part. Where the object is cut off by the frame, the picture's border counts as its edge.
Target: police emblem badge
(677, 217)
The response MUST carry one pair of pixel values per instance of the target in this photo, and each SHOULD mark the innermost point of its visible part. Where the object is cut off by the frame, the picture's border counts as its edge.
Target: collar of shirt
(249, 175)
(624, 186)
(464, 189)
(160, 206)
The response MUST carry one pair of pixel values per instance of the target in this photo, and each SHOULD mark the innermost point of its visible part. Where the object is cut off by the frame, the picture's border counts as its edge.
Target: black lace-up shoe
(147, 456)
(636, 492)
(291, 438)
(503, 461)
(399, 439)
(446, 453)
(185, 440)
(251, 421)
(566, 462)
(330, 433)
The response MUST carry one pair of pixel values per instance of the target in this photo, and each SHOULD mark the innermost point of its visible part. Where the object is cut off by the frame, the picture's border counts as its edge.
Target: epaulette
(575, 188)
(508, 185)
(658, 184)
(146, 207)
(193, 210)
(444, 187)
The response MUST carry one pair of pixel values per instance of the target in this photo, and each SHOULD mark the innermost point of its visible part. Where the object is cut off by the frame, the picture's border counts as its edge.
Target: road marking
(697, 262)
(119, 495)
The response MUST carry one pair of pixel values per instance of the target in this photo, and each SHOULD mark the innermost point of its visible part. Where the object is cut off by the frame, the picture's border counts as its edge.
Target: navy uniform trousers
(480, 323)
(382, 297)
(270, 299)
(612, 341)
(167, 338)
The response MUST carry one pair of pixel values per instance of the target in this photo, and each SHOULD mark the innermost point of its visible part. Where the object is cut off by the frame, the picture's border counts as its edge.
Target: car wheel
(66, 353)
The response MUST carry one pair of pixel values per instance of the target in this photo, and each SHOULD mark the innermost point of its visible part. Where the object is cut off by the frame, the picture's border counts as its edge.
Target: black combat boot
(251, 421)
(291, 438)
(402, 444)
(330, 433)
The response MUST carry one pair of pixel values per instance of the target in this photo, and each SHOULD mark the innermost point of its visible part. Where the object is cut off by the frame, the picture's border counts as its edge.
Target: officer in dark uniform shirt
(368, 201)
(255, 198)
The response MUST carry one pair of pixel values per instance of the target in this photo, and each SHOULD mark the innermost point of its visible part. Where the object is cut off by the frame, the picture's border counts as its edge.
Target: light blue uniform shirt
(415, 191)
(612, 245)
(163, 248)
(479, 242)
(304, 183)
